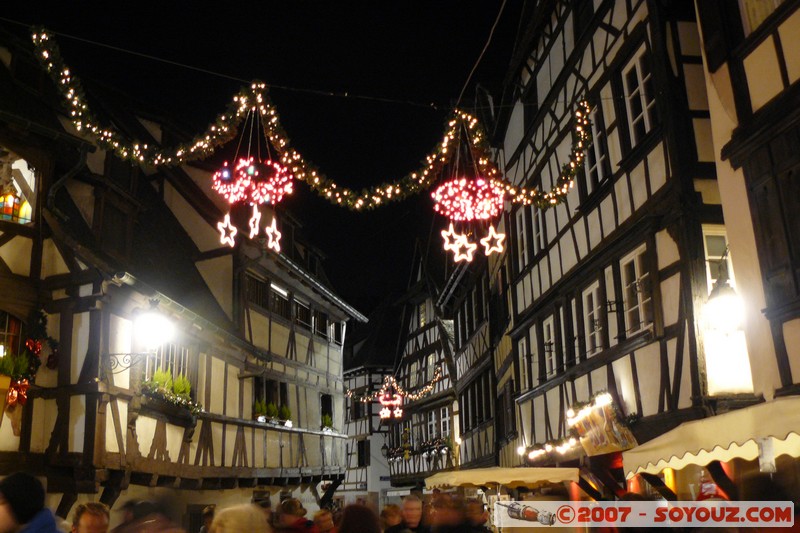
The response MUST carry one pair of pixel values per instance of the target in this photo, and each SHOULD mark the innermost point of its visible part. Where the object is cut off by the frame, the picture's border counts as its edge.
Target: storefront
(725, 450)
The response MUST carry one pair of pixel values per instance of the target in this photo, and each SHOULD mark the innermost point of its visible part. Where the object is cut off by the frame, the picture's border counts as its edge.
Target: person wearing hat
(22, 507)
(291, 516)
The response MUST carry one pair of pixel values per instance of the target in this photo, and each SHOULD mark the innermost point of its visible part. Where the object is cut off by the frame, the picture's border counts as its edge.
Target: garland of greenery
(256, 98)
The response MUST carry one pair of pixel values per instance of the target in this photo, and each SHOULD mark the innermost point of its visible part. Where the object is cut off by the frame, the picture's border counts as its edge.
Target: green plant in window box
(271, 412)
(327, 421)
(182, 387)
(284, 413)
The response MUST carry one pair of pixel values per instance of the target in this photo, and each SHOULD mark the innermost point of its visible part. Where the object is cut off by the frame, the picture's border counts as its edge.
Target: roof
(375, 344)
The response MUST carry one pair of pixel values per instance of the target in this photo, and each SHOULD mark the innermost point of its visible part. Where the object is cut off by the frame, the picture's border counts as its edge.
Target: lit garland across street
(255, 98)
(390, 384)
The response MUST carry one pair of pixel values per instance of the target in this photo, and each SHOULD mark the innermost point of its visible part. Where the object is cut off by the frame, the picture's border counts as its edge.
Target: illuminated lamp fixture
(385, 450)
(151, 329)
(725, 309)
(468, 199)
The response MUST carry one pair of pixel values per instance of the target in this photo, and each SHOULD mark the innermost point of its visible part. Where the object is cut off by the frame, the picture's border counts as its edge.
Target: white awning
(508, 477)
(721, 438)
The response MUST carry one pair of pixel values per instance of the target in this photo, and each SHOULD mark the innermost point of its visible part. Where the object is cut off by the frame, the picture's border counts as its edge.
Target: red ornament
(469, 199)
(233, 184)
(257, 181)
(271, 182)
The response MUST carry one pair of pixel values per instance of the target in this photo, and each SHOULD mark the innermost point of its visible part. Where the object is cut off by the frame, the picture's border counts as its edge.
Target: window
(362, 449)
(636, 291)
(326, 405)
(174, 359)
(430, 366)
(754, 12)
(337, 333)
(302, 314)
(431, 424)
(357, 409)
(17, 188)
(522, 359)
(421, 314)
(414, 374)
(444, 417)
(279, 302)
(10, 334)
(597, 169)
(550, 356)
(521, 228)
(284, 394)
(530, 105)
(539, 238)
(640, 101)
(592, 324)
(257, 292)
(715, 243)
(321, 324)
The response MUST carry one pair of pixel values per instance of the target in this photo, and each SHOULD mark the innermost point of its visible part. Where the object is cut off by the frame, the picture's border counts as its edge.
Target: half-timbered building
(93, 244)
(609, 287)
(422, 441)
(466, 298)
(750, 57)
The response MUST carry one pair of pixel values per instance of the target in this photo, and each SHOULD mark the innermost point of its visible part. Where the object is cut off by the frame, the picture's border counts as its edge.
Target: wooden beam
(662, 489)
(722, 480)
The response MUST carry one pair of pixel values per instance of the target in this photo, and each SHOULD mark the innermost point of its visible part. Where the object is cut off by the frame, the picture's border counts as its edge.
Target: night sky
(417, 55)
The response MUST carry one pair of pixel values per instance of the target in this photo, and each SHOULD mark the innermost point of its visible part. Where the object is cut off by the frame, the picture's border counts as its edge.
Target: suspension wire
(480, 57)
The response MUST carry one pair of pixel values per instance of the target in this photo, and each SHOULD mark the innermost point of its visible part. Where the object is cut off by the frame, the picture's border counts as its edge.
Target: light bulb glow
(227, 231)
(254, 222)
(469, 199)
(493, 242)
(153, 329)
(273, 236)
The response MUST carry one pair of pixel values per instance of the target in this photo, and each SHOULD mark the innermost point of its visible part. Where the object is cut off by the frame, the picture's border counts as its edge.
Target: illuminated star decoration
(495, 238)
(450, 238)
(227, 231)
(273, 236)
(462, 242)
(255, 220)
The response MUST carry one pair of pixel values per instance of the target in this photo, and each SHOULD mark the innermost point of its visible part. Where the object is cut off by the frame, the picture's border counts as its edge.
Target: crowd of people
(23, 510)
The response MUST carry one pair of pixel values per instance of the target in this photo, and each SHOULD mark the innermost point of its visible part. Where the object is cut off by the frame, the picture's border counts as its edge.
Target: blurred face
(8, 524)
(91, 523)
(412, 513)
(324, 522)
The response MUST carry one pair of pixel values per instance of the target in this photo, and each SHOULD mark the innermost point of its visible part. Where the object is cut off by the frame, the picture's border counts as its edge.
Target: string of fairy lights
(391, 394)
(255, 98)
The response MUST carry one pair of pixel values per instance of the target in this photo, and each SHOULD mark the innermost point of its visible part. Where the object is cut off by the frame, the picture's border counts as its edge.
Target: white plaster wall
(763, 74)
(16, 253)
(218, 275)
(52, 262)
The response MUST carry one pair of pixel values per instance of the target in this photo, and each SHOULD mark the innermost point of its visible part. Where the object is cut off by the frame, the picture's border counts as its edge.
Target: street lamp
(151, 329)
(385, 450)
(725, 310)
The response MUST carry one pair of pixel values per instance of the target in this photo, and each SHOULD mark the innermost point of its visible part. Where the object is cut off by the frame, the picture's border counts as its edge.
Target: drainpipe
(51, 195)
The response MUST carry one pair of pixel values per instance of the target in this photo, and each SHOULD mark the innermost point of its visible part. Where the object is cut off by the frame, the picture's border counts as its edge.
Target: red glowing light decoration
(469, 199)
(272, 181)
(261, 182)
(392, 404)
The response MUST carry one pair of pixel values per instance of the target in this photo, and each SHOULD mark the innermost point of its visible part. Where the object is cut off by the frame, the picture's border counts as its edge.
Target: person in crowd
(240, 519)
(323, 519)
(265, 505)
(91, 517)
(477, 516)
(412, 517)
(390, 516)
(359, 519)
(448, 514)
(22, 506)
(291, 517)
(150, 517)
(208, 517)
(127, 515)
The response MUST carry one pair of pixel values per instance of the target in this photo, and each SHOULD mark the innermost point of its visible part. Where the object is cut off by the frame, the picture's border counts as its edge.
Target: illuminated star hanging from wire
(493, 242)
(273, 236)
(227, 231)
(255, 220)
(462, 242)
(450, 238)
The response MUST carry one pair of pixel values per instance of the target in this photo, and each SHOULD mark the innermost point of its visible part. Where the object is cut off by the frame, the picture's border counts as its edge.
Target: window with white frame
(430, 366)
(539, 238)
(444, 417)
(592, 325)
(414, 374)
(421, 314)
(173, 359)
(715, 243)
(522, 358)
(534, 357)
(550, 356)
(431, 424)
(636, 291)
(640, 103)
(597, 166)
(522, 240)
